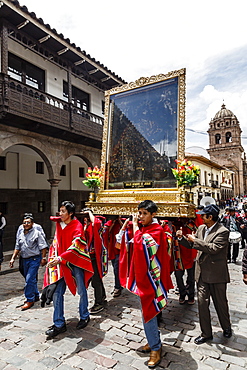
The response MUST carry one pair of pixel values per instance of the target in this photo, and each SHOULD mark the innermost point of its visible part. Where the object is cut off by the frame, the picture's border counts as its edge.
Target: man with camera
(211, 271)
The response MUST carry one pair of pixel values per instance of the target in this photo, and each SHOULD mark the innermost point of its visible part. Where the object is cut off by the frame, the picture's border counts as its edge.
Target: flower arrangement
(186, 173)
(93, 177)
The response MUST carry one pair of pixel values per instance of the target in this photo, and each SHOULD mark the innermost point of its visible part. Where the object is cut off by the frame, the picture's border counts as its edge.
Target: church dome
(224, 113)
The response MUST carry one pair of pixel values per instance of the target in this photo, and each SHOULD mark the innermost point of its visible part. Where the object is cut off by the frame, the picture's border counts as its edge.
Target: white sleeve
(119, 236)
(3, 223)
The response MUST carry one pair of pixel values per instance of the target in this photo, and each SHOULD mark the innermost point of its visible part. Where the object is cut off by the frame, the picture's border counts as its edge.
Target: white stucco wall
(54, 77)
(9, 178)
(29, 179)
(21, 173)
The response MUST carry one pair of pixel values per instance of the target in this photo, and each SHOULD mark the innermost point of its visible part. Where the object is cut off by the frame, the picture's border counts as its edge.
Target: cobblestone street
(111, 338)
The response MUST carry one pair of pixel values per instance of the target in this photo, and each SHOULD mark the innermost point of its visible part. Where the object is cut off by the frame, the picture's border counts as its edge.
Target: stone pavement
(111, 338)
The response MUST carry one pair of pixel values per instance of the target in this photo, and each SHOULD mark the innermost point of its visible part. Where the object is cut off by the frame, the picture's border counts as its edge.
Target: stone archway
(34, 144)
(73, 172)
(53, 152)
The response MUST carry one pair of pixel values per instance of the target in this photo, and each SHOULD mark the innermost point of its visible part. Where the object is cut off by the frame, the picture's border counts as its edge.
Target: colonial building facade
(51, 118)
(214, 181)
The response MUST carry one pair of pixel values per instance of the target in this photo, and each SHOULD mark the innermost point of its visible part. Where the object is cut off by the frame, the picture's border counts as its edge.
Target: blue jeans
(152, 333)
(115, 265)
(31, 267)
(58, 297)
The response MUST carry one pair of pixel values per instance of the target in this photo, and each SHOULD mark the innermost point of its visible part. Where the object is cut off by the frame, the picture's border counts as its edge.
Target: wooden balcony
(28, 108)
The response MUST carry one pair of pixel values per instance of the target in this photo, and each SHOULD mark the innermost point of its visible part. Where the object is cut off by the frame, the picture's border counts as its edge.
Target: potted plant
(92, 181)
(186, 173)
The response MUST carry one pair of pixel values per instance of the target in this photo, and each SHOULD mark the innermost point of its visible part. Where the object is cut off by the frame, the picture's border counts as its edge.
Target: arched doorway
(24, 188)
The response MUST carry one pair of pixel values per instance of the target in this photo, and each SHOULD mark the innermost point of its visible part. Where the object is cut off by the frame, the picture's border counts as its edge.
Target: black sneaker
(96, 309)
(227, 332)
(191, 300)
(54, 331)
(117, 292)
(83, 323)
(181, 300)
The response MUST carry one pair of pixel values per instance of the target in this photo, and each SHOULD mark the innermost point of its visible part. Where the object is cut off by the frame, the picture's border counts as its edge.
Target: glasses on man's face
(27, 223)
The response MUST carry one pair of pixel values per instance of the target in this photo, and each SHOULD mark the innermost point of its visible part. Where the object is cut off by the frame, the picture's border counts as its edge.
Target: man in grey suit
(211, 271)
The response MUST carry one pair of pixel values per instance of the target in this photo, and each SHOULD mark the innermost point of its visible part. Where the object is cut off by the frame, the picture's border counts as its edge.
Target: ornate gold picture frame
(144, 132)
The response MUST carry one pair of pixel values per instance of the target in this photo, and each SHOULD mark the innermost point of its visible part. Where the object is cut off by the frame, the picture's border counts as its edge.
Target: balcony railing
(29, 103)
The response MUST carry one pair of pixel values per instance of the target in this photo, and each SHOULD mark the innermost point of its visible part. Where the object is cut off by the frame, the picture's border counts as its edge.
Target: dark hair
(214, 216)
(149, 205)
(69, 206)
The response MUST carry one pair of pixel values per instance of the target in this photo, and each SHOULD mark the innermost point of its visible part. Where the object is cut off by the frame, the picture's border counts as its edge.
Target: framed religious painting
(144, 132)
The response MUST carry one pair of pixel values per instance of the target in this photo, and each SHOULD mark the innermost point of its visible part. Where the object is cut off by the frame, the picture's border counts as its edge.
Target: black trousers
(187, 288)
(97, 284)
(218, 293)
(235, 250)
(1, 246)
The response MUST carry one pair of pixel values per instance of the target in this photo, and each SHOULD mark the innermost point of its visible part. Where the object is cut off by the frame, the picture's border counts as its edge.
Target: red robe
(93, 234)
(111, 228)
(144, 269)
(183, 258)
(198, 220)
(69, 243)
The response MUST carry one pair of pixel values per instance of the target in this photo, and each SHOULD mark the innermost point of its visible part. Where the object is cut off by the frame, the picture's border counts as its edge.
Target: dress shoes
(155, 358)
(83, 323)
(27, 305)
(145, 349)
(227, 333)
(53, 331)
(201, 340)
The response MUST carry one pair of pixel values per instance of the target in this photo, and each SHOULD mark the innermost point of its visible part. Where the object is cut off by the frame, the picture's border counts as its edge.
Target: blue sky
(138, 38)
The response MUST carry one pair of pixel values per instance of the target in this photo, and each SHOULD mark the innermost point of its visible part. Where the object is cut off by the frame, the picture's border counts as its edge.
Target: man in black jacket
(244, 266)
(232, 223)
